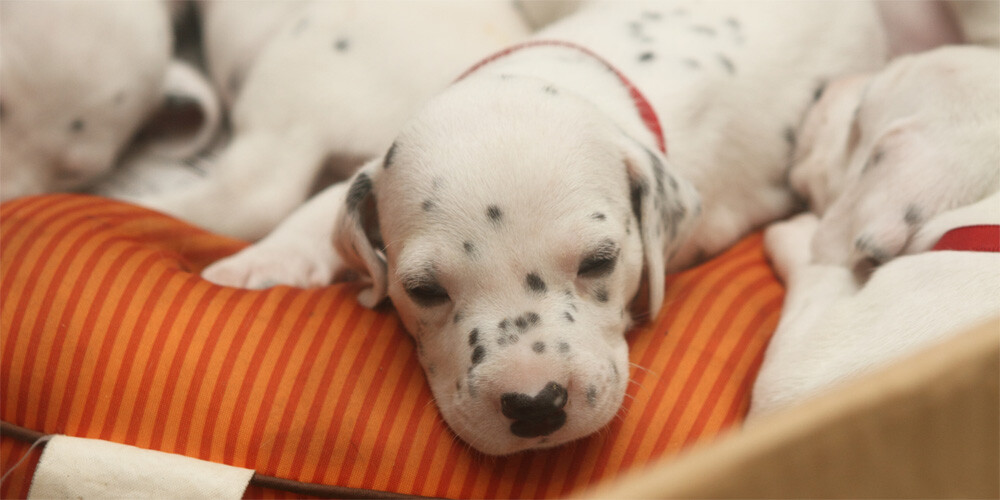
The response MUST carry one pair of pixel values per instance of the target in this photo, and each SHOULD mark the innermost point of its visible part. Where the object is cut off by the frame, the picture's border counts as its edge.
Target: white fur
(78, 80)
(322, 85)
(933, 121)
(551, 138)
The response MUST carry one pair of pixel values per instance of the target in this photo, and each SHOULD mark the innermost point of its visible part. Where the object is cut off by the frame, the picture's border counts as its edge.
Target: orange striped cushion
(108, 332)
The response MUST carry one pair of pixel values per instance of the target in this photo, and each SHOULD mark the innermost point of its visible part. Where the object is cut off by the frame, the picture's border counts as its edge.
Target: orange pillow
(109, 332)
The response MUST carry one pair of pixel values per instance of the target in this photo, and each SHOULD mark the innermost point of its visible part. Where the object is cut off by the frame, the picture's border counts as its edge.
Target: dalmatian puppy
(79, 79)
(234, 34)
(331, 84)
(523, 217)
(890, 163)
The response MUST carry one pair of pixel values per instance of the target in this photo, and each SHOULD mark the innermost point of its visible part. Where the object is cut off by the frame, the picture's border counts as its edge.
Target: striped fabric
(109, 333)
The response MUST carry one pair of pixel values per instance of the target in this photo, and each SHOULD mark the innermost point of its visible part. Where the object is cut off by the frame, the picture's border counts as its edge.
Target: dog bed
(108, 332)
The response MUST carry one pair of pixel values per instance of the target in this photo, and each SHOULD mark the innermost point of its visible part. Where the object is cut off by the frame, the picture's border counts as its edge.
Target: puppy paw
(264, 266)
(878, 242)
(788, 243)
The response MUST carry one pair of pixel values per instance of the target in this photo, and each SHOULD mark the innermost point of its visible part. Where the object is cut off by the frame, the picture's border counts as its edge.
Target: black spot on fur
(818, 93)
(428, 205)
(598, 216)
(591, 395)
(458, 385)
(614, 371)
(478, 354)
(521, 322)
(601, 295)
(550, 90)
(342, 44)
(77, 125)
(569, 317)
(703, 30)
(360, 188)
(873, 160)
(646, 56)
(789, 135)
(563, 348)
(639, 189)
(474, 337)
(494, 213)
(509, 339)
(726, 63)
(503, 325)
(389, 155)
(866, 245)
(913, 215)
(533, 318)
(469, 248)
(458, 317)
(534, 283)
(538, 347)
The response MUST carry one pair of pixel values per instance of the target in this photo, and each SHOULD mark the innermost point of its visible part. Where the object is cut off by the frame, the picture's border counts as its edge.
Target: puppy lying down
(517, 216)
(890, 164)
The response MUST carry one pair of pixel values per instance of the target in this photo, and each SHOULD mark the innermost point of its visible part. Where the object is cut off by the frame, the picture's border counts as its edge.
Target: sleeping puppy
(890, 163)
(79, 80)
(318, 88)
(524, 213)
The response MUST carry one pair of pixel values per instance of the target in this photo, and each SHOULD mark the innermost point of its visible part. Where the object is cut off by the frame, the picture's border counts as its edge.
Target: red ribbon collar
(642, 105)
(983, 238)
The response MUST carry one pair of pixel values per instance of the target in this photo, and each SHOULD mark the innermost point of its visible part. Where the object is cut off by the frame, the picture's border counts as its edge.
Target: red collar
(645, 110)
(984, 238)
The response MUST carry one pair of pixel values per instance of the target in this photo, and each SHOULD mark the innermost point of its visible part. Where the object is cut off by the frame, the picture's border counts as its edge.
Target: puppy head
(77, 80)
(827, 138)
(517, 231)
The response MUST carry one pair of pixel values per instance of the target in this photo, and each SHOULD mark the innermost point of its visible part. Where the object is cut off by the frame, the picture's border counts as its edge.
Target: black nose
(535, 416)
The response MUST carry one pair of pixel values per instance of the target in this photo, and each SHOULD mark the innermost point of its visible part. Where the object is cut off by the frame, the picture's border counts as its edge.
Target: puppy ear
(665, 206)
(357, 236)
(188, 118)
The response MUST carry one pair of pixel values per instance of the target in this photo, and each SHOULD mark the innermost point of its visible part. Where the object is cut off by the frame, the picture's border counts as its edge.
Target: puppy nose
(538, 415)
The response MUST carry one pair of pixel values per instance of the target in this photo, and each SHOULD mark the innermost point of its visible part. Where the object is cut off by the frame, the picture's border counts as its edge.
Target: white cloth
(89, 468)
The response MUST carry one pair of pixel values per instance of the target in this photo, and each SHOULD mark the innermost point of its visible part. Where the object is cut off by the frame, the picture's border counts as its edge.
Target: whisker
(643, 368)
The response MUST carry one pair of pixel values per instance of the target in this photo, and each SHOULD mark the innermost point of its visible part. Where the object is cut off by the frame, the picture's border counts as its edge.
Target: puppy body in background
(516, 215)
(890, 163)
(79, 79)
(318, 87)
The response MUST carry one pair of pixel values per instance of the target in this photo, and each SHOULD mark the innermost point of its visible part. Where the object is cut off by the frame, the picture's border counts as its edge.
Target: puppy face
(514, 242)
(78, 78)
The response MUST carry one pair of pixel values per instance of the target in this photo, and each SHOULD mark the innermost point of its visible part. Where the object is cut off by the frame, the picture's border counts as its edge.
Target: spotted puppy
(521, 216)
(890, 164)
(79, 80)
(319, 87)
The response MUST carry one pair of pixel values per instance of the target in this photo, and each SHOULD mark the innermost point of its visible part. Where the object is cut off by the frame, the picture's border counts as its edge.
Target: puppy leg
(258, 181)
(811, 289)
(299, 252)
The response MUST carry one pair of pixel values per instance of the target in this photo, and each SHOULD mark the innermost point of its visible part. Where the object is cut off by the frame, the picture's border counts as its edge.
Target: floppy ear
(357, 237)
(189, 116)
(665, 206)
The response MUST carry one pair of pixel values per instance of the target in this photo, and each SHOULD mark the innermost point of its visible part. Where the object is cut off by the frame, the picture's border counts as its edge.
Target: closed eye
(600, 261)
(427, 294)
